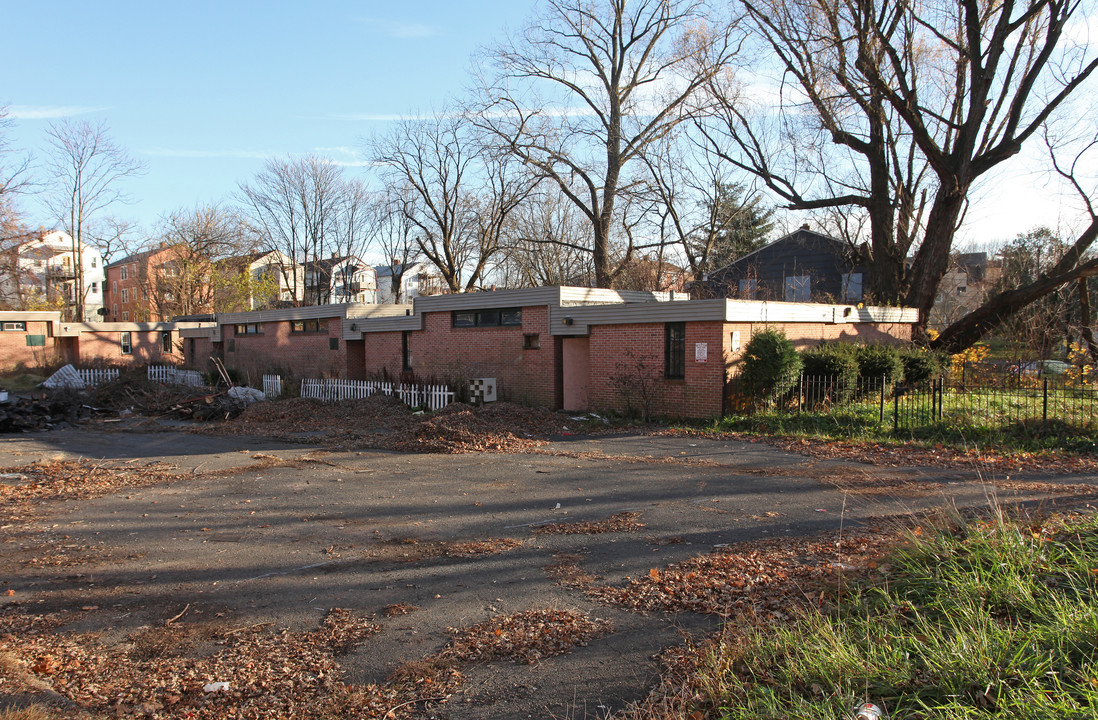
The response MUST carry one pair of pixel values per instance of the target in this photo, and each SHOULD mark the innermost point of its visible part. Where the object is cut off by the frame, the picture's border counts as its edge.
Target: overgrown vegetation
(770, 364)
(991, 618)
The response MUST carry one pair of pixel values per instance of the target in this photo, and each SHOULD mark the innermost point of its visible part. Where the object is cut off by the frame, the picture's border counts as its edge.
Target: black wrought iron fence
(989, 402)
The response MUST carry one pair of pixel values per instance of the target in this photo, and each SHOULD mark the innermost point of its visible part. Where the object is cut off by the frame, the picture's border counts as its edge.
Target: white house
(415, 281)
(340, 280)
(46, 271)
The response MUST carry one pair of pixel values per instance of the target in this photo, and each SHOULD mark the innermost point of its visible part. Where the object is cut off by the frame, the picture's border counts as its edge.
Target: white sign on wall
(735, 340)
(701, 352)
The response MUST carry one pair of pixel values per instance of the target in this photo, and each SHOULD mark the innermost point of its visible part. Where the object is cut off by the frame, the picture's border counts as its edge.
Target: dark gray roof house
(803, 266)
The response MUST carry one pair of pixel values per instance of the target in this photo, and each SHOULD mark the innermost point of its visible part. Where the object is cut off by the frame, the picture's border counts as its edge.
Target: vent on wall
(482, 390)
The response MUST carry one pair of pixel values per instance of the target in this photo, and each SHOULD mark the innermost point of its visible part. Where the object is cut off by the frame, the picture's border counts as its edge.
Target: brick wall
(443, 353)
(698, 395)
(14, 350)
(197, 353)
(146, 348)
(277, 349)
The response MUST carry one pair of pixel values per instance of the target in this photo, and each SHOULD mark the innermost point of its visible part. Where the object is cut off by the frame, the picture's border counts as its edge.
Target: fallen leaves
(619, 522)
(525, 637)
(763, 580)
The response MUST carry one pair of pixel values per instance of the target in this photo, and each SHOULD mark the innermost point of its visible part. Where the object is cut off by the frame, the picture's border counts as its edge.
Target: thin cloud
(47, 112)
(403, 30)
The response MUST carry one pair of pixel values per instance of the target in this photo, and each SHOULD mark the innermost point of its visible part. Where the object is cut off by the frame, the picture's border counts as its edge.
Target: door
(575, 360)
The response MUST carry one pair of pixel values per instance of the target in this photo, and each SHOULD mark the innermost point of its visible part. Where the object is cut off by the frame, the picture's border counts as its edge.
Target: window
(125, 341)
(248, 329)
(487, 318)
(674, 351)
(114, 286)
(114, 310)
(798, 288)
(852, 286)
(333, 343)
(166, 341)
(749, 287)
(308, 326)
(962, 290)
(95, 288)
(93, 261)
(531, 341)
(125, 295)
(125, 316)
(13, 327)
(124, 273)
(406, 356)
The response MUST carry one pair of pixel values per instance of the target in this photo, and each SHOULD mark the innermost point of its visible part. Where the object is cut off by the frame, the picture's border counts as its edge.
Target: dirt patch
(413, 550)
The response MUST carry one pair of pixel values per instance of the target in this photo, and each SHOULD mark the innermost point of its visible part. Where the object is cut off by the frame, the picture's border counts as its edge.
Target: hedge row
(772, 364)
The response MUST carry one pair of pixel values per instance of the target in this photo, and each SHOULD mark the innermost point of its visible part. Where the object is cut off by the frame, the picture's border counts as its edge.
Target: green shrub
(919, 365)
(770, 364)
(831, 371)
(876, 361)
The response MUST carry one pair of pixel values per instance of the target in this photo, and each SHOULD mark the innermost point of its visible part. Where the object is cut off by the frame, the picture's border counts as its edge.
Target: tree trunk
(1086, 329)
(987, 317)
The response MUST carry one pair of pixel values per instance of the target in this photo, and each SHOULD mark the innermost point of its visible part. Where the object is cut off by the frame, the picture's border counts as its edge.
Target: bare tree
(916, 102)
(546, 243)
(307, 210)
(457, 192)
(587, 87)
(14, 179)
(191, 272)
(395, 238)
(86, 169)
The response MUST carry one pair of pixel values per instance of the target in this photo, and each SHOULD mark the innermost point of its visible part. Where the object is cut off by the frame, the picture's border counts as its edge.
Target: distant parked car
(1044, 367)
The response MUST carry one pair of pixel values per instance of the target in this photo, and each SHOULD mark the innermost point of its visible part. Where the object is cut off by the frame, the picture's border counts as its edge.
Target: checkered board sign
(480, 389)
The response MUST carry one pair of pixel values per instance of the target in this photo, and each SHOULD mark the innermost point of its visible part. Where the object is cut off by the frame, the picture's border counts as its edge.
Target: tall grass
(987, 619)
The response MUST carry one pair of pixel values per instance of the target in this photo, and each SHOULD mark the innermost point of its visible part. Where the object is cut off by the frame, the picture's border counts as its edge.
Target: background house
(257, 281)
(398, 283)
(340, 280)
(803, 266)
(133, 286)
(47, 271)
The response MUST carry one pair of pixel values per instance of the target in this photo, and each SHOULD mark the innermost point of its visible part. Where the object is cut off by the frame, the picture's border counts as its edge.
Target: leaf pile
(526, 637)
(755, 581)
(269, 673)
(459, 428)
(620, 522)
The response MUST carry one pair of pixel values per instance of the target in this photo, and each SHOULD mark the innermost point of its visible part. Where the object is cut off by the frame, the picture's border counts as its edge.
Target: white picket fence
(175, 376)
(97, 376)
(272, 386)
(434, 397)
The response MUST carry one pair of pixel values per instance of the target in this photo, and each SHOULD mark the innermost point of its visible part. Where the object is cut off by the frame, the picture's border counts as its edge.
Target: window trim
(13, 326)
(256, 329)
(483, 317)
(306, 329)
(674, 351)
(125, 342)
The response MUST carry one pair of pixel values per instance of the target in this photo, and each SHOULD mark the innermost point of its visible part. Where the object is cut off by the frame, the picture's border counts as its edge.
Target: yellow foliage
(1081, 369)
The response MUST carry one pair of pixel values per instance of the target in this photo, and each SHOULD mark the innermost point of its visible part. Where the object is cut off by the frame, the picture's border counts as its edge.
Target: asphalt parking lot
(269, 532)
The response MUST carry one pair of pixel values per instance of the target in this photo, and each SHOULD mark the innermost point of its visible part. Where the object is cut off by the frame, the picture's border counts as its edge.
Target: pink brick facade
(698, 395)
(442, 353)
(15, 350)
(277, 349)
(146, 347)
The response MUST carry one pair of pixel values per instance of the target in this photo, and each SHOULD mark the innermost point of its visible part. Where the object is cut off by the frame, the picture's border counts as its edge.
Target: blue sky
(204, 92)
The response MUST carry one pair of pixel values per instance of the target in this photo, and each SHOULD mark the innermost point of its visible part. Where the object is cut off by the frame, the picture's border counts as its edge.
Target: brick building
(132, 285)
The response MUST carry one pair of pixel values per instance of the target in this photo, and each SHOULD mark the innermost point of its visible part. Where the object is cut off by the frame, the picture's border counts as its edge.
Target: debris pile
(43, 412)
